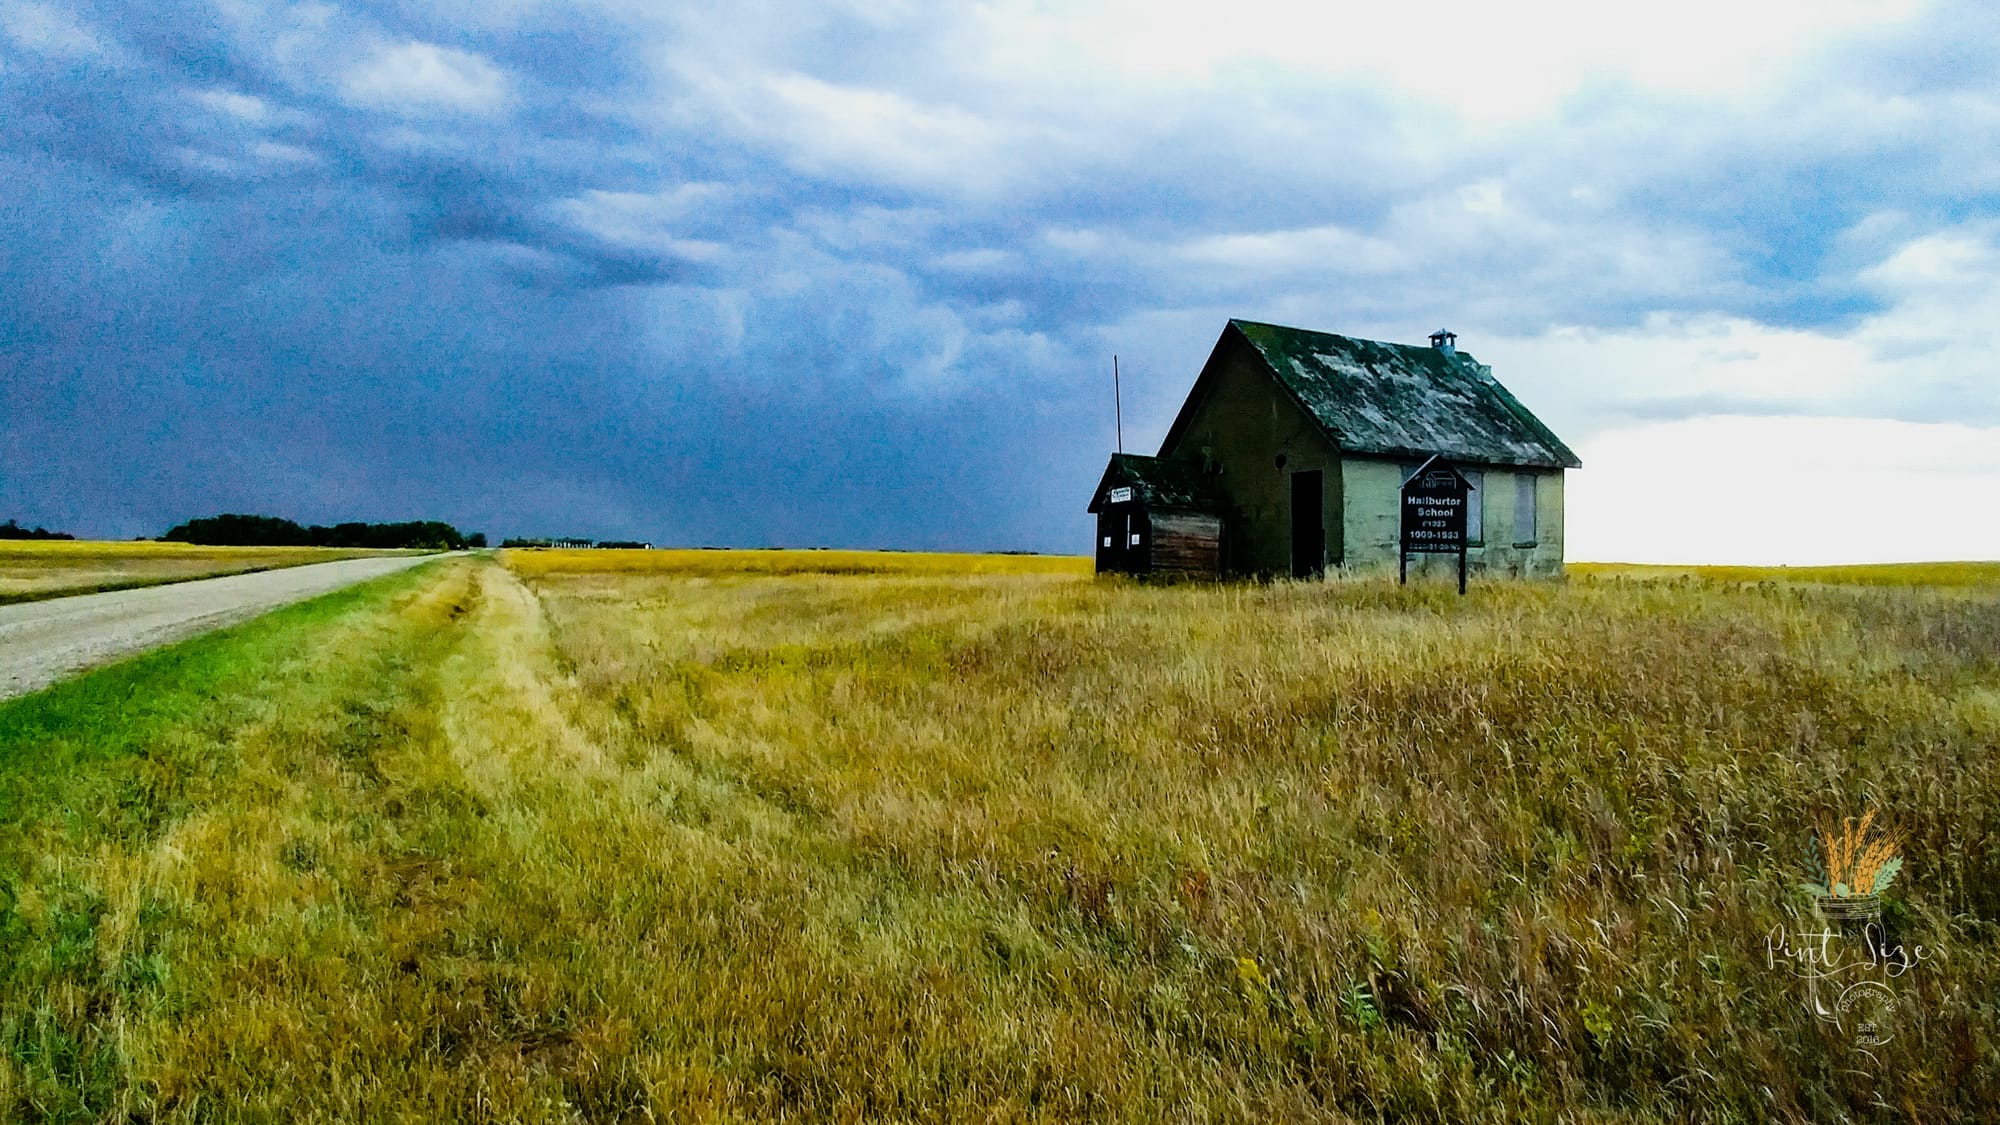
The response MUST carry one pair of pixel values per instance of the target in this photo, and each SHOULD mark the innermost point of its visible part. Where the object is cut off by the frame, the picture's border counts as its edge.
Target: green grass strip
(48, 736)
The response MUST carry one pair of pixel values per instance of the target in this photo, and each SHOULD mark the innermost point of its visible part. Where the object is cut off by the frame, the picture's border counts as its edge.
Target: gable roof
(1160, 483)
(1397, 400)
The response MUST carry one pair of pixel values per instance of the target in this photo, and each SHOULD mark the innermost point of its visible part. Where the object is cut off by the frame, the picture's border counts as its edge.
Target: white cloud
(1025, 97)
(258, 160)
(243, 107)
(423, 77)
(1484, 61)
(875, 134)
(246, 110)
(235, 136)
(1322, 249)
(841, 128)
(50, 31)
(1472, 255)
(651, 221)
(1890, 422)
(1785, 491)
(1944, 286)
(1882, 432)
(1696, 362)
(1928, 355)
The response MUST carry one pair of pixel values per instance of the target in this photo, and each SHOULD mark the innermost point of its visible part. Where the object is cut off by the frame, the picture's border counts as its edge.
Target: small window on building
(1475, 507)
(1135, 539)
(1107, 541)
(1524, 510)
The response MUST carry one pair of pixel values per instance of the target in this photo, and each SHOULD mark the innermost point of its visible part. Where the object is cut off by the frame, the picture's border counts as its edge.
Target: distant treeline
(12, 530)
(607, 545)
(271, 531)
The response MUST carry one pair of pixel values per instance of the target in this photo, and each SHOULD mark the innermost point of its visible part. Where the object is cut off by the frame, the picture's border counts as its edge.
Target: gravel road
(42, 642)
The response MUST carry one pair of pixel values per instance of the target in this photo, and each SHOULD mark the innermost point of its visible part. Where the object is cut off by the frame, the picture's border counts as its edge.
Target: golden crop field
(578, 837)
(545, 561)
(1871, 574)
(35, 569)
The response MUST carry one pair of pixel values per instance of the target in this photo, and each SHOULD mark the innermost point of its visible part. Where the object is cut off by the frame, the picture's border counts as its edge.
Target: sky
(853, 274)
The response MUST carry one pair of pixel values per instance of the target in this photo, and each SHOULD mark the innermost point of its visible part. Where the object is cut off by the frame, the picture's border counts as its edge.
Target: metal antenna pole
(1118, 404)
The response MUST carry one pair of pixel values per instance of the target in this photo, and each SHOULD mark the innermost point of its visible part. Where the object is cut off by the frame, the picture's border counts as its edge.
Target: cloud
(243, 107)
(653, 222)
(424, 78)
(50, 31)
(1923, 357)
(870, 134)
(635, 270)
(1785, 491)
(1292, 252)
(1485, 62)
(248, 110)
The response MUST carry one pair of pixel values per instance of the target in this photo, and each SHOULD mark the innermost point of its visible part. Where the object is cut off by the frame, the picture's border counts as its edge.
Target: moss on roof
(1160, 483)
(1404, 400)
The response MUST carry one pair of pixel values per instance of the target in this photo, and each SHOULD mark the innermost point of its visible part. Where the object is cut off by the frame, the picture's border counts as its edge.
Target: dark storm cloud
(804, 276)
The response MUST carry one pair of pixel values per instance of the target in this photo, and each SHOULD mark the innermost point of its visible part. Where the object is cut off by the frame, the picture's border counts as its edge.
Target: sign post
(1434, 510)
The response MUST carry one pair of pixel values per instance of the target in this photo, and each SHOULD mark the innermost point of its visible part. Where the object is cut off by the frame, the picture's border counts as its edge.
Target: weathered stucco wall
(1246, 421)
(1372, 520)
(1373, 526)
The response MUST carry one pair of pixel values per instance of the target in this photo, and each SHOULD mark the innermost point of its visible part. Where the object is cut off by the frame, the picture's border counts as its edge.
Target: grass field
(543, 841)
(541, 562)
(1872, 574)
(37, 569)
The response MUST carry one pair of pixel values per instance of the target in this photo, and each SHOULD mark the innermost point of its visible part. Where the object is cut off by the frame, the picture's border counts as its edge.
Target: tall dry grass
(718, 846)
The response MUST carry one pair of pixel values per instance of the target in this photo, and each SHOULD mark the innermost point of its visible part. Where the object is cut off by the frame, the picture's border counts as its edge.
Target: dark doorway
(1308, 525)
(1123, 540)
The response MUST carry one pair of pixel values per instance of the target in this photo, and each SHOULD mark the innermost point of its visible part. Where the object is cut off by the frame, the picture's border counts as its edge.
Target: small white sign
(1118, 496)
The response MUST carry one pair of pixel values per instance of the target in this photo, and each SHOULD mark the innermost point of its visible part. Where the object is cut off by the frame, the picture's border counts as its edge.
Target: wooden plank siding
(1186, 543)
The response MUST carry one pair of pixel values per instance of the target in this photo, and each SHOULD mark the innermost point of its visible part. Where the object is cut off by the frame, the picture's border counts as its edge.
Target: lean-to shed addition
(1157, 517)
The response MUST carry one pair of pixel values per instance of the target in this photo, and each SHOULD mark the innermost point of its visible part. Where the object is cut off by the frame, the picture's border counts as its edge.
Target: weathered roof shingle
(1160, 484)
(1404, 400)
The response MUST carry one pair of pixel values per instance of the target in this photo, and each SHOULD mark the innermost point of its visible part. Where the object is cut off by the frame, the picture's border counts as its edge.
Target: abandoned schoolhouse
(1290, 455)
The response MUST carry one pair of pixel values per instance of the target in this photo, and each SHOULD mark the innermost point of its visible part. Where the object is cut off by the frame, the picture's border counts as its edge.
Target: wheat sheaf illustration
(1853, 859)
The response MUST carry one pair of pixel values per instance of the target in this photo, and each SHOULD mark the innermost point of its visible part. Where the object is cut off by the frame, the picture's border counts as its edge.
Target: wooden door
(1308, 523)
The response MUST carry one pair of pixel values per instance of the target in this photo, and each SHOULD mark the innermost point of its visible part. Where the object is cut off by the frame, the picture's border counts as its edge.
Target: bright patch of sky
(852, 272)
(1485, 62)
